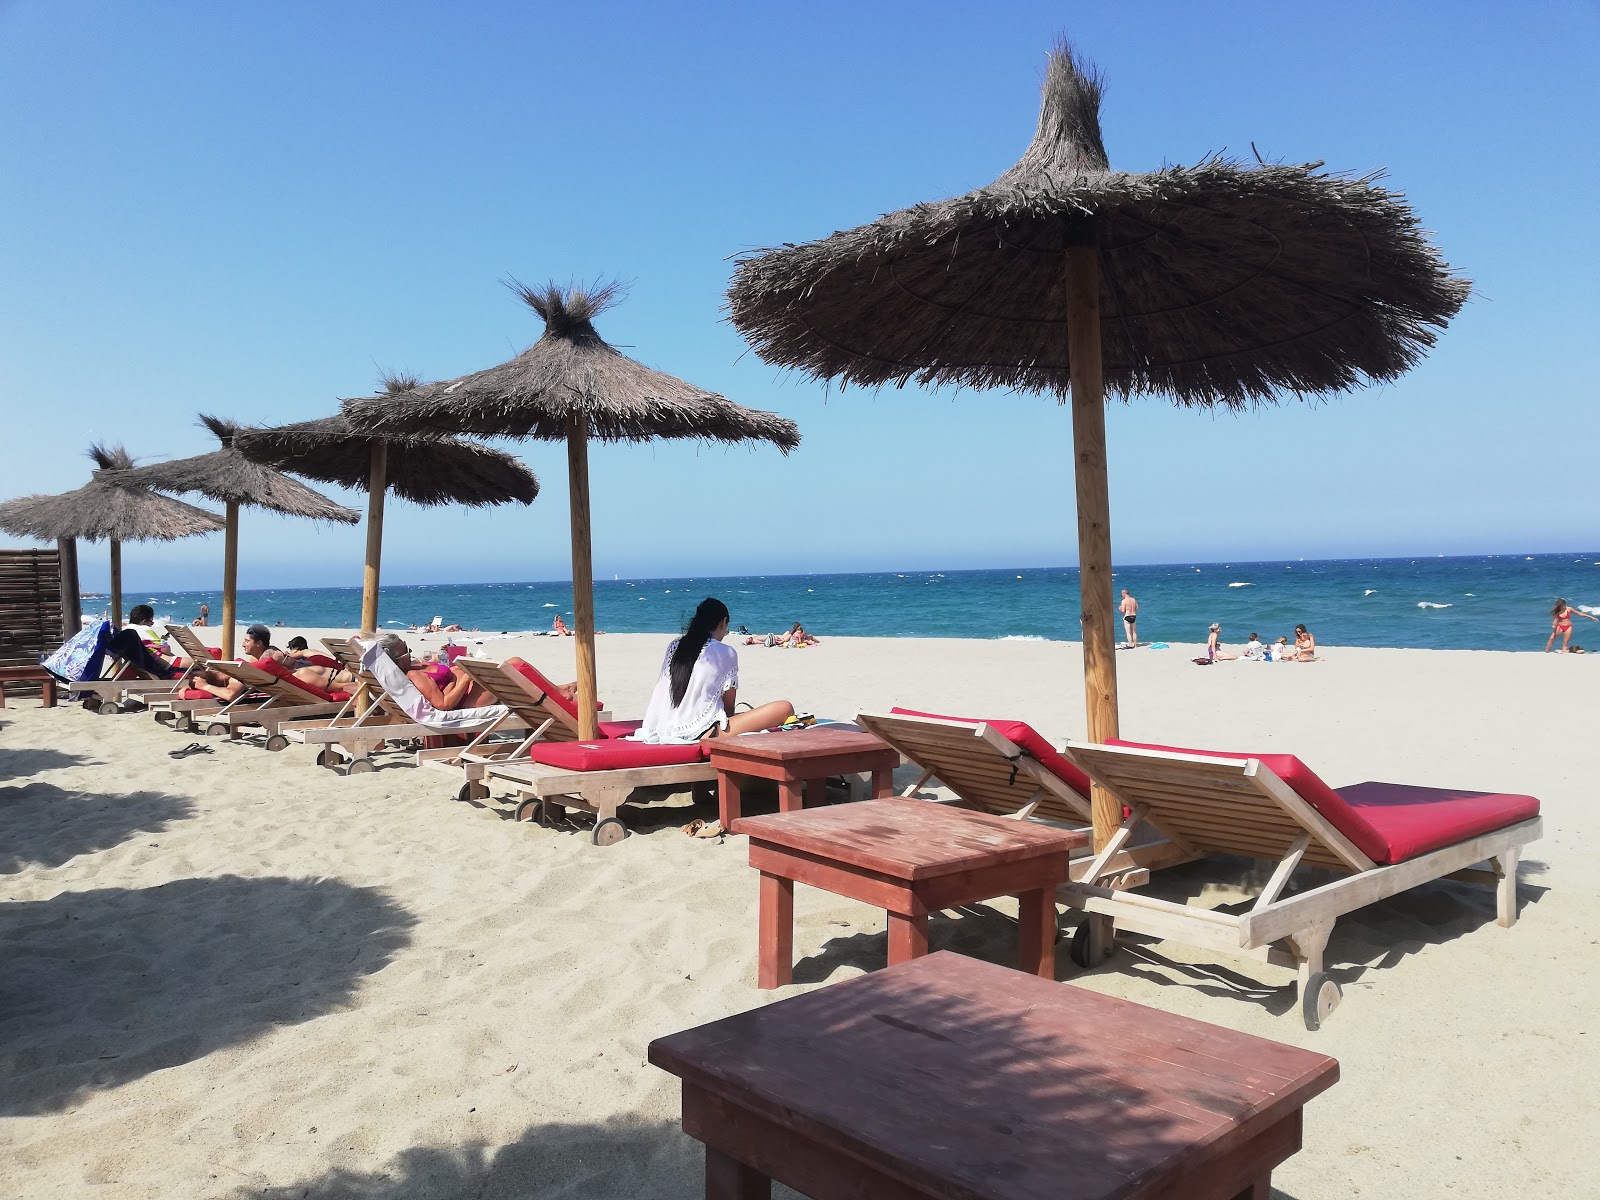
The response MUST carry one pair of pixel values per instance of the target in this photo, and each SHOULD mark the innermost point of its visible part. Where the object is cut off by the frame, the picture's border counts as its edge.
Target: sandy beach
(237, 975)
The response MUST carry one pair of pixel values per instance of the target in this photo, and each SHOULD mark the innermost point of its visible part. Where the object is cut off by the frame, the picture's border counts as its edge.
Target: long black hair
(711, 613)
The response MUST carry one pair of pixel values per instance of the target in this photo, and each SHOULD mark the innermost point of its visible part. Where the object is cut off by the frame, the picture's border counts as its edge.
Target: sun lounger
(598, 777)
(1010, 770)
(1384, 838)
(393, 710)
(128, 687)
(273, 697)
(537, 711)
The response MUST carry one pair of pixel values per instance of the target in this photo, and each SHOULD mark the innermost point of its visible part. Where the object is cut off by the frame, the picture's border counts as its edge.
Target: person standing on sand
(204, 618)
(1130, 614)
(1561, 622)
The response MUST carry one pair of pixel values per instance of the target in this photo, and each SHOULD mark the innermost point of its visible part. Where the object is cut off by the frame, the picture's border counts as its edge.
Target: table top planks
(909, 839)
(799, 744)
(975, 1082)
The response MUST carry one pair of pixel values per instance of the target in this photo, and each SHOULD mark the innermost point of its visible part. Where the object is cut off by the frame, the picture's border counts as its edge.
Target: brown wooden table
(33, 674)
(800, 762)
(911, 858)
(955, 1079)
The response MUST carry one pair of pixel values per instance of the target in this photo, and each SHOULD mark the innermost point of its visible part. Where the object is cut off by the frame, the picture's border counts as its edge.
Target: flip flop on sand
(703, 829)
(191, 748)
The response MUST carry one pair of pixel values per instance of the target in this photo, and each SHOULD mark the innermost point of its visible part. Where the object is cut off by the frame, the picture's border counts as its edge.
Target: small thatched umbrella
(426, 470)
(571, 386)
(105, 509)
(1218, 284)
(227, 475)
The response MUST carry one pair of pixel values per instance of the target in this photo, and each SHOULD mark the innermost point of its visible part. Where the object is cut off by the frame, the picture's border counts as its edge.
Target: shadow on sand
(17, 764)
(45, 826)
(103, 987)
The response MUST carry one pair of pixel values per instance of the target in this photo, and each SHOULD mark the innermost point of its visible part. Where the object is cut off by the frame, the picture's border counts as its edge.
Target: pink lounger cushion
(614, 755)
(1026, 737)
(279, 671)
(1388, 822)
(619, 729)
(195, 694)
(542, 682)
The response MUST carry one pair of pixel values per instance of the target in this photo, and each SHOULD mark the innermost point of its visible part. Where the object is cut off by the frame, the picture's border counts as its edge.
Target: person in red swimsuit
(1561, 623)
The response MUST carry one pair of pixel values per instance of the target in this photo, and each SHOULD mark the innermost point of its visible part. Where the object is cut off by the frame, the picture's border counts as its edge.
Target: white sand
(238, 975)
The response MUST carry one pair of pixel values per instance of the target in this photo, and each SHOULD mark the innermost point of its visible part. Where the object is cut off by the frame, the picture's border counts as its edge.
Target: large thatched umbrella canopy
(110, 510)
(425, 469)
(226, 475)
(1221, 283)
(572, 386)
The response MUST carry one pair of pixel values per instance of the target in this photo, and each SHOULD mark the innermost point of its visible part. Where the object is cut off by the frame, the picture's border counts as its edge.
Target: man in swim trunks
(1130, 614)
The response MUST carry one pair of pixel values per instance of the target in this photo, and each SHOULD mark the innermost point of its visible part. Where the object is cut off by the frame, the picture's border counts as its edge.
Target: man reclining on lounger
(140, 644)
(258, 647)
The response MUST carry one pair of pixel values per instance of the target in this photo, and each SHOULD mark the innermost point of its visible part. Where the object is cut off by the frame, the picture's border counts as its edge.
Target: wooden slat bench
(45, 681)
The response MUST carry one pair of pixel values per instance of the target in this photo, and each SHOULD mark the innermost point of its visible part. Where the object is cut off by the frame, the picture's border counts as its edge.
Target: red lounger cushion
(278, 670)
(614, 755)
(619, 729)
(1028, 738)
(1388, 822)
(196, 694)
(533, 675)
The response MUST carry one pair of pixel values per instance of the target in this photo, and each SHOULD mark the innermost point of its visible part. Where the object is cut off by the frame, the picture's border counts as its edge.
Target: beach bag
(81, 656)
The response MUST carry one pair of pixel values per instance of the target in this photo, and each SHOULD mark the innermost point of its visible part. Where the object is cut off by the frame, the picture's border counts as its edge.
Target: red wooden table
(910, 857)
(799, 762)
(38, 675)
(955, 1079)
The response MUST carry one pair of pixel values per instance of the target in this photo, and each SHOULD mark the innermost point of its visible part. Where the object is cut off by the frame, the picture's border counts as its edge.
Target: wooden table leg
(1036, 932)
(1260, 1189)
(791, 797)
(882, 783)
(729, 1179)
(775, 948)
(816, 792)
(730, 800)
(908, 937)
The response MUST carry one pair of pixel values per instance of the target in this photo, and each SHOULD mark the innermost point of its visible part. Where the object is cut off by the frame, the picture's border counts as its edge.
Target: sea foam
(1431, 604)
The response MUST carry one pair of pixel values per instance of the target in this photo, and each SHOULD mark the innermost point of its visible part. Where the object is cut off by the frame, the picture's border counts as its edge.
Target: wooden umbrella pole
(116, 583)
(1094, 517)
(230, 576)
(582, 573)
(377, 486)
(71, 602)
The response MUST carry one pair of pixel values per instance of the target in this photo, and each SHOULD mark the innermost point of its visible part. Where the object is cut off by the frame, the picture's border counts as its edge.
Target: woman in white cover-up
(694, 696)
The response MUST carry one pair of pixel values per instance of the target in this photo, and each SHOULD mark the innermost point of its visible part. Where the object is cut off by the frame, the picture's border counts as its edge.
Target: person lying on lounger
(138, 643)
(317, 669)
(694, 697)
(256, 646)
(443, 686)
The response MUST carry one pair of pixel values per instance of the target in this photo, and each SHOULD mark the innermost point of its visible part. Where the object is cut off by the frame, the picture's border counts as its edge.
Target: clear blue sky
(251, 209)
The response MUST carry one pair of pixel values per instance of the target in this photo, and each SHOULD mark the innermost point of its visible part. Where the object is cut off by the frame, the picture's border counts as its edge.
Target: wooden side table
(38, 675)
(910, 857)
(953, 1079)
(800, 763)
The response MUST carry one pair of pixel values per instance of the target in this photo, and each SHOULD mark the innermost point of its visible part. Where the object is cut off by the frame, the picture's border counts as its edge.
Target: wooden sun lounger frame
(529, 713)
(1240, 806)
(981, 766)
(547, 792)
(350, 737)
(285, 701)
(146, 690)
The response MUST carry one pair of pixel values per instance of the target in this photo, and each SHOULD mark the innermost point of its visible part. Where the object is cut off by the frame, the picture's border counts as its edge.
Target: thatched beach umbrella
(426, 470)
(228, 476)
(571, 386)
(116, 512)
(1217, 284)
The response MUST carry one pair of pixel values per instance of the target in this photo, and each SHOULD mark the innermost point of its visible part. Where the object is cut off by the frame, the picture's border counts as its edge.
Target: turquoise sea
(1489, 602)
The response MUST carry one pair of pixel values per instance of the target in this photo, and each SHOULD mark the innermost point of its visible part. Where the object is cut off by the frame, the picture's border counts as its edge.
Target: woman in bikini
(1305, 646)
(1561, 623)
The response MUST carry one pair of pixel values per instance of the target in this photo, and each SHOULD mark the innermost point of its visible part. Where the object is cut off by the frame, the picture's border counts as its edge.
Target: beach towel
(82, 656)
(415, 705)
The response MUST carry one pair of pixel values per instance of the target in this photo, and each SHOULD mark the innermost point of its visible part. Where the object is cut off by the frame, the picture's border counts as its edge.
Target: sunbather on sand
(1214, 645)
(1305, 646)
(559, 627)
(694, 698)
(443, 686)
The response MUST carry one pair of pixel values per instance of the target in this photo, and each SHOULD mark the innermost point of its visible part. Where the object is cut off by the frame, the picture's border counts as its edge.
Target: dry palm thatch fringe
(104, 509)
(226, 474)
(571, 371)
(426, 469)
(1221, 283)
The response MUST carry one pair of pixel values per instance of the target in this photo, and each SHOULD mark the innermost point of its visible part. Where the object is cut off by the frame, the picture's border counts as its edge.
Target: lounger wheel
(218, 729)
(608, 832)
(1079, 947)
(277, 742)
(473, 790)
(166, 718)
(109, 708)
(361, 766)
(184, 724)
(1318, 998)
(531, 810)
(328, 757)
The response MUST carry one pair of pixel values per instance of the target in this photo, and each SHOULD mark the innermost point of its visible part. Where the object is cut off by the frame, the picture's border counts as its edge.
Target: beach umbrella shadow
(618, 1158)
(48, 826)
(16, 764)
(106, 986)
